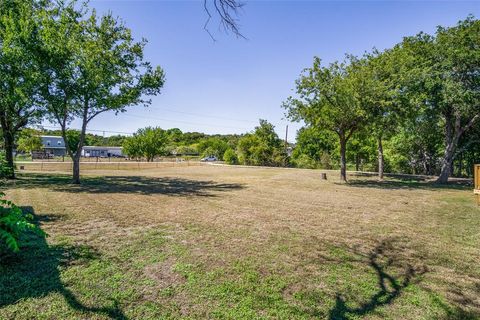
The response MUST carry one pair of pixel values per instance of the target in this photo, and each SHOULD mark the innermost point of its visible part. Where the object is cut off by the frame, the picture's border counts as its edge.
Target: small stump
(324, 176)
(22, 167)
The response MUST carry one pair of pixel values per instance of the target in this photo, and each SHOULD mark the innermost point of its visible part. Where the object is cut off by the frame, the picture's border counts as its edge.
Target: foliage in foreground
(14, 223)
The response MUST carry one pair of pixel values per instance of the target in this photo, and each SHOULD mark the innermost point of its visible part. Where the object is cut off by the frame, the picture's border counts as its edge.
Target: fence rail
(119, 165)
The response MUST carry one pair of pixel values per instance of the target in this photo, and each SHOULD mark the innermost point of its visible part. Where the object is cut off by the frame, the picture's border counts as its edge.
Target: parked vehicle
(209, 159)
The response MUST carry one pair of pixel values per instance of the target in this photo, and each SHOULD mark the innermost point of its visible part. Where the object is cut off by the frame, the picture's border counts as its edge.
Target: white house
(102, 152)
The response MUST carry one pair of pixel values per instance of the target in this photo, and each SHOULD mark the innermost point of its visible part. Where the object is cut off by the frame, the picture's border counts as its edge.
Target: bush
(230, 156)
(305, 162)
(326, 161)
(5, 169)
(13, 223)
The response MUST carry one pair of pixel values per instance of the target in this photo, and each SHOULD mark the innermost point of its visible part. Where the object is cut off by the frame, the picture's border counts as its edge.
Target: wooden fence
(476, 191)
(119, 165)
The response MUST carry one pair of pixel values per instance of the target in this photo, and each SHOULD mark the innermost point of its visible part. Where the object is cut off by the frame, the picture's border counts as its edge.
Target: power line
(185, 122)
(199, 123)
(92, 130)
(206, 116)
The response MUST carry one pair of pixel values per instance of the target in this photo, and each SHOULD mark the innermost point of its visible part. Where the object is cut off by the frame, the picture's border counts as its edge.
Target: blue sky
(227, 85)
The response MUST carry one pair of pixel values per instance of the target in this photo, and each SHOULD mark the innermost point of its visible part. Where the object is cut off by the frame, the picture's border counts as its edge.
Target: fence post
(476, 179)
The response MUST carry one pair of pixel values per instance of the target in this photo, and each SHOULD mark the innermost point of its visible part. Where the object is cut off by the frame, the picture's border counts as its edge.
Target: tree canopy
(93, 66)
(19, 68)
(331, 97)
(146, 143)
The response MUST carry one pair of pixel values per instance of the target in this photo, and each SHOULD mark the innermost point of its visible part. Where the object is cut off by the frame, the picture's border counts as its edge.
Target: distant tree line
(262, 146)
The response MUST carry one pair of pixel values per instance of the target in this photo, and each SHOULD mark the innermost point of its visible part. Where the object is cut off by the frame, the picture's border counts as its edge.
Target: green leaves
(213, 146)
(5, 169)
(29, 141)
(92, 65)
(146, 143)
(262, 147)
(19, 68)
(328, 97)
(14, 223)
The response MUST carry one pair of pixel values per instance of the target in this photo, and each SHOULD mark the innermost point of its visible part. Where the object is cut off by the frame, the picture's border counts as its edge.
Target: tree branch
(227, 10)
(470, 123)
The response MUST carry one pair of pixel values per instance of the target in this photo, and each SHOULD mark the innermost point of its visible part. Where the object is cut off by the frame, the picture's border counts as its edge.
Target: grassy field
(243, 243)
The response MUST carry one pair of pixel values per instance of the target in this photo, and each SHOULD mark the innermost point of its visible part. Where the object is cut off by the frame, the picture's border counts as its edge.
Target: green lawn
(243, 243)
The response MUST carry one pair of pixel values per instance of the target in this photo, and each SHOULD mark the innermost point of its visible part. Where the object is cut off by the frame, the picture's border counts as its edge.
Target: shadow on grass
(396, 269)
(389, 286)
(402, 182)
(127, 184)
(34, 272)
(454, 312)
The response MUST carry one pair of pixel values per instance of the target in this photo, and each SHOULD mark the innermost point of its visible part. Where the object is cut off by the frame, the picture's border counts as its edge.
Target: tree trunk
(343, 159)
(78, 154)
(381, 160)
(357, 162)
(75, 156)
(76, 170)
(460, 165)
(9, 142)
(425, 162)
(453, 131)
(446, 163)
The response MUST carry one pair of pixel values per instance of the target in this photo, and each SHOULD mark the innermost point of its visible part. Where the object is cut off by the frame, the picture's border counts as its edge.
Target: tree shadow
(399, 176)
(454, 312)
(127, 184)
(34, 272)
(396, 183)
(382, 258)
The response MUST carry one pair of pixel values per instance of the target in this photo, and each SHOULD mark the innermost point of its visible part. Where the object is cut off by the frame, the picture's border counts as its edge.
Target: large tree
(330, 97)
(19, 69)
(447, 70)
(388, 104)
(147, 142)
(262, 147)
(93, 66)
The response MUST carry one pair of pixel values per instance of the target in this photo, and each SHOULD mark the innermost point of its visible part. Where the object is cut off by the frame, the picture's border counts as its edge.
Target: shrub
(212, 147)
(13, 223)
(230, 156)
(326, 161)
(305, 162)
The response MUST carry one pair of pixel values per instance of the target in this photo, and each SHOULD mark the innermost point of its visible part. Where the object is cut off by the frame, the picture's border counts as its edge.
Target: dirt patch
(164, 274)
